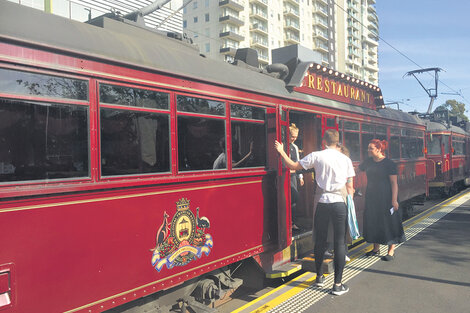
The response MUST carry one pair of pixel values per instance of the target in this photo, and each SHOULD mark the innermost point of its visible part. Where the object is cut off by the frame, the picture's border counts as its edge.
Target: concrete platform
(430, 273)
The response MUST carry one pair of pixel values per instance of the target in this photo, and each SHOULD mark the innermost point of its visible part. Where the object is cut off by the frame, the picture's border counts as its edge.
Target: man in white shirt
(333, 171)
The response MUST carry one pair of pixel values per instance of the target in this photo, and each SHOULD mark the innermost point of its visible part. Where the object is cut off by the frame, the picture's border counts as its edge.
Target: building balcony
(228, 50)
(259, 43)
(323, 1)
(372, 52)
(370, 1)
(353, 25)
(291, 13)
(320, 22)
(371, 39)
(232, 4)
(320, 11)
(231, 20)
(259, 28)
(259, 15)
(320, 46)
(294, 2)
(373, 18)
(290, 39)
(373, 29)
(320, 35)
(262, 3)
(231, 35)
(371, 79)
(292, 26)
(263, 59)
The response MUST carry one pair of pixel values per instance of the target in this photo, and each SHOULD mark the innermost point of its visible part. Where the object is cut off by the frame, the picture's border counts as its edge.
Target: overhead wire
(401, 53)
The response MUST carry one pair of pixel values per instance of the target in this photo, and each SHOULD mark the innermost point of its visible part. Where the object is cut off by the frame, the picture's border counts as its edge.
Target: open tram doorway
(303, 196)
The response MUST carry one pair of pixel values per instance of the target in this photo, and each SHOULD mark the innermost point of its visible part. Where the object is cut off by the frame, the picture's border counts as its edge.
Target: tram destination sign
(335, 86)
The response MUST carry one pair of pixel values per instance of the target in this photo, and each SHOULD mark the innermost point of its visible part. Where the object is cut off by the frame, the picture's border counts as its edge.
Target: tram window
(395, 131)
(406, 148)
(42, 141)
(331, 122)
(144, 98)
(419, 147)
(434, 144)
(26, 83)
(381, 130)
(351, 125)
(366, 138)
(244, 135)
(134, 142)
(351, 141)
(412, 147)
(458, 147)
(199, 105)
(368, 128)
(394, 147)
(200, 142)
(247, 112)
(445, 142)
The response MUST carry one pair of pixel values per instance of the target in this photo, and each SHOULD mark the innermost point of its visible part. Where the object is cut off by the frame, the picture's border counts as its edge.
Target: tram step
(308, 264)
(284, 270)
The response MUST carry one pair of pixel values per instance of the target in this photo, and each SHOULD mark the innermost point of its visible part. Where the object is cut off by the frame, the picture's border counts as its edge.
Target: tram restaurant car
(110, 135)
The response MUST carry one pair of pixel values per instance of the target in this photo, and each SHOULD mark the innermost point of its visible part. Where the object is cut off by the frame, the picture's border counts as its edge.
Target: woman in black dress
(382, 219)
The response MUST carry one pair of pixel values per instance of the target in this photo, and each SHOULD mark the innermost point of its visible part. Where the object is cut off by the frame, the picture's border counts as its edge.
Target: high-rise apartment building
(82, 10)
(357, 36)
(343, 32)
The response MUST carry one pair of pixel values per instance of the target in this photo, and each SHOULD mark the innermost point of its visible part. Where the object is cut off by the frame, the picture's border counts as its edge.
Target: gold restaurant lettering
(336, 88)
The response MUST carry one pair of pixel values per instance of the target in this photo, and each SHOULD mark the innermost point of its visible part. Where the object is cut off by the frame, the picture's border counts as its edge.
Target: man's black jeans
(338, 214)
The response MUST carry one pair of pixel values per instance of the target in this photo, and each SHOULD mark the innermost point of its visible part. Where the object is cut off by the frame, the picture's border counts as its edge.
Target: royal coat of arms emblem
(183, 240)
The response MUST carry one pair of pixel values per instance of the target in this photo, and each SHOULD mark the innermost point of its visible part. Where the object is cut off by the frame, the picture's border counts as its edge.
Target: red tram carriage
(447, 157)
(131, 165)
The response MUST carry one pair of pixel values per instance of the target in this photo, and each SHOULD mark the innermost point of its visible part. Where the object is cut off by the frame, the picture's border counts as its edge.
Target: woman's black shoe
(372, 253)
(388, 257)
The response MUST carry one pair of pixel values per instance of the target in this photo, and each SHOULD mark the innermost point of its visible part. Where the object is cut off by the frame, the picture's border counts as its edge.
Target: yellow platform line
(286, 285)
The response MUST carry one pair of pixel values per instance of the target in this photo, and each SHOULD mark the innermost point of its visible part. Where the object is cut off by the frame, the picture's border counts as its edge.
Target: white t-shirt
(332, 170)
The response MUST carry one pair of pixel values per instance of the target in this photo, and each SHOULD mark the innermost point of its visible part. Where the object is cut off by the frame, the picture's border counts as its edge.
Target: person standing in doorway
(295, 178)
(333, 171)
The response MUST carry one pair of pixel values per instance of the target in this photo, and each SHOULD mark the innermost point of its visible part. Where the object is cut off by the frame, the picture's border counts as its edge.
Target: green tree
(455, 109)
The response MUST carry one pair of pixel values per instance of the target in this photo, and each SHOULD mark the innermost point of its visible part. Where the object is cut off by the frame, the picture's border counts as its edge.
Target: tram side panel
(110, 248)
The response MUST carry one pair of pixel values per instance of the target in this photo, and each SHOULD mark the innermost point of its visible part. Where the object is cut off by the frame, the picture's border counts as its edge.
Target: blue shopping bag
(352, 221)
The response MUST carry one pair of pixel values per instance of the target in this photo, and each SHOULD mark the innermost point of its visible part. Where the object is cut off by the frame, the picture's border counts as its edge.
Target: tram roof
(440, 127)
(128, 44)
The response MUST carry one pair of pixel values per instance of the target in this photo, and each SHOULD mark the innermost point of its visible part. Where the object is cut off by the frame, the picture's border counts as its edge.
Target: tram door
(309, 140)
(446, 156)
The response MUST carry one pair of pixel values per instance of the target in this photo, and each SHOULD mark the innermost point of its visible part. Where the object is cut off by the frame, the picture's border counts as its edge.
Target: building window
(207, 17)
(207, 3)
(208, 47)
(185, 24)
(195, 19)
(195, 5)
